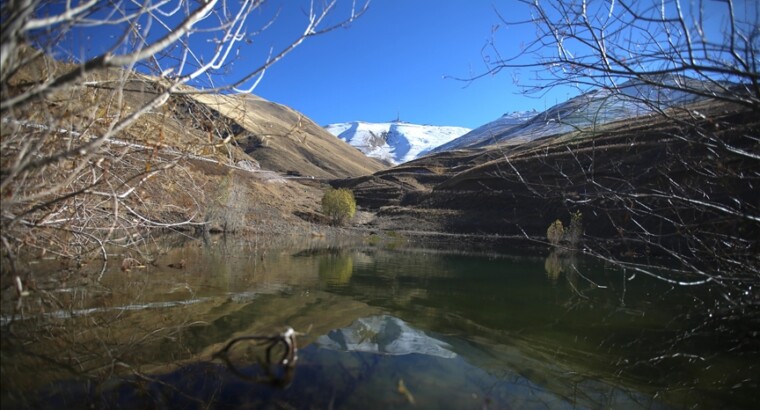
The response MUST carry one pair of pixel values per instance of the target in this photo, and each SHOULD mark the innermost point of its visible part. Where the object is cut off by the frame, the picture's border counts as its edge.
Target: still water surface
(384, 328)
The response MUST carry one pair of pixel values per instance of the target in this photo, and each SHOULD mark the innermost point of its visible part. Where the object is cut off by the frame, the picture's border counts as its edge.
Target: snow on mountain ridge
(486, 132)
(396, 141)
(631, 99)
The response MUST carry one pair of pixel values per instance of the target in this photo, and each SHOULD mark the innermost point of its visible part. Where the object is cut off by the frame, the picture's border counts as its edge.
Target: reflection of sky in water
(384, 334)
(328, 378)
(476, 332)
(378, 351)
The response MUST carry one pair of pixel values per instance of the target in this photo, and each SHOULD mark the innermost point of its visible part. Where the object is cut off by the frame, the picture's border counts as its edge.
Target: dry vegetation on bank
(72, 183)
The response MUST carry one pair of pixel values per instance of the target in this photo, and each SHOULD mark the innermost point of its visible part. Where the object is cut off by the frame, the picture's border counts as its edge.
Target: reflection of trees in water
(136, 323)
(654, 333)
(553, 266)
(336, 268)
(558, 262)
(563, 339)
(96, 347)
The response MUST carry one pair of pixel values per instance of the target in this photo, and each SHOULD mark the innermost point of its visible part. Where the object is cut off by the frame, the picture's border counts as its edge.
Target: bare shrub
(673, 189)
(700, 87)
(574, 232)
(228, 207)
(83, 140)
(97, 156)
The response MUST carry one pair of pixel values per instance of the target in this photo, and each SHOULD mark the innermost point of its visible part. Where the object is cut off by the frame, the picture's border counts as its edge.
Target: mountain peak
(395, 141)
(598, 106)
(486, 132)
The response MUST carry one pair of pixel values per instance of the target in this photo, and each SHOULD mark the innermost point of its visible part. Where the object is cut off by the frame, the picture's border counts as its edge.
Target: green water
(386, 328)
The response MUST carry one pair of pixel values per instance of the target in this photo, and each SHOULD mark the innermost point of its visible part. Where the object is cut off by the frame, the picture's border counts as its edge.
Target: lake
(381, 324)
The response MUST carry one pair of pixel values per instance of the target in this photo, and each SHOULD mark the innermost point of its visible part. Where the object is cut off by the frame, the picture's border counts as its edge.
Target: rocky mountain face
(394, 142)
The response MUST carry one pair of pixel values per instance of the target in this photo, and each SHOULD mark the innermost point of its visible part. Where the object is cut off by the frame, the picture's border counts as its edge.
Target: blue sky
(394, 60)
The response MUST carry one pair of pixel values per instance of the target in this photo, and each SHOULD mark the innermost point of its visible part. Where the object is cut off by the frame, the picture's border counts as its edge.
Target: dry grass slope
(208, 161)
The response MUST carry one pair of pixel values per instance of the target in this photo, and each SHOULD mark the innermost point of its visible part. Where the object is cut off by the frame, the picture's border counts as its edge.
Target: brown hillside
(279, 138)
(284, 140)
(183, 164)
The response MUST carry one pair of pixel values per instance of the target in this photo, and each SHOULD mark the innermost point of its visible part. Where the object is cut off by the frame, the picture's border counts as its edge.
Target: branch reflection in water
(278, 373)
(452, 329)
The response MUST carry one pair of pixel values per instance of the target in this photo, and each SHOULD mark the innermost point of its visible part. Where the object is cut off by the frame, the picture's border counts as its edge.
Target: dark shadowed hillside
(624, 177)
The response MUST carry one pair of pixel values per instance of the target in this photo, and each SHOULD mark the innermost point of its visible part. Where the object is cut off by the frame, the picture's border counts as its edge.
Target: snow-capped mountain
(483, 134)
(596, 107)
(396, 141)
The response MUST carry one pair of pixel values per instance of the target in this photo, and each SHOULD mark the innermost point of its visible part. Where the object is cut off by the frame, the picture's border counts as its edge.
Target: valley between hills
(671, 194)
(239, 163)
(171, 239)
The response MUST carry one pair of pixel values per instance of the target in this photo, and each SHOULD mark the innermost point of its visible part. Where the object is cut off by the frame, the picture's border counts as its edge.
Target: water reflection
(355, 378)
(558, 262)
(335, 268)
(384, 335)
(455, 330)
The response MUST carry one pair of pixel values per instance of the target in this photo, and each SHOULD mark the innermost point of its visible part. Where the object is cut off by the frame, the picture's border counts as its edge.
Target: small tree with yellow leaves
(339, 205)
(555, 232)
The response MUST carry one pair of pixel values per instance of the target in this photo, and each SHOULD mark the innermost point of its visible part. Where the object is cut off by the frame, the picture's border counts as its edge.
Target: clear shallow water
(404, 328)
